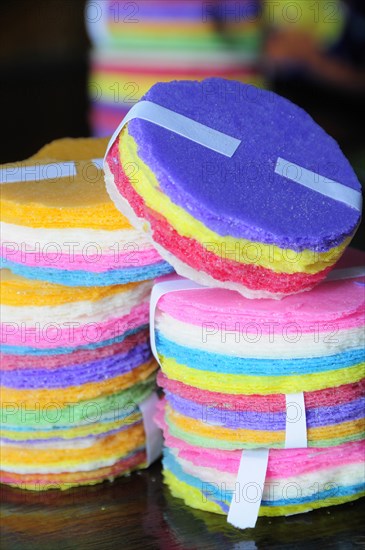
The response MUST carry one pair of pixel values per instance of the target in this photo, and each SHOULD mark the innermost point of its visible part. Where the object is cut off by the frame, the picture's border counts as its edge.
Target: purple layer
(242, 196)
(76, 375)
(322, 416)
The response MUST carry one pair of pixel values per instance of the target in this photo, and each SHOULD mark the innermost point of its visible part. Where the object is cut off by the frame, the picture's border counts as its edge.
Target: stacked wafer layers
(58, 224)
(297, 480)
(229, 366)
(149, 41)
(269, 220)
(75, 366)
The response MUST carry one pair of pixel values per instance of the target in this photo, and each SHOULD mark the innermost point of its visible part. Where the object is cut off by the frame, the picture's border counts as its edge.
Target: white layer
(253, 342)
(309, 484)
(207, 280)
(40, 239)
(64, 444)
(79, 467)
(114, 306)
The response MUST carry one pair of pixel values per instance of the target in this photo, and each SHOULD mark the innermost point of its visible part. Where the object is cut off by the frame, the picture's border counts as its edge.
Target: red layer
(197, 257)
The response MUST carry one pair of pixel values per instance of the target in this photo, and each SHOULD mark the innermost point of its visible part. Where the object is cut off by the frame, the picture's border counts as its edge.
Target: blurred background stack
(136, 44)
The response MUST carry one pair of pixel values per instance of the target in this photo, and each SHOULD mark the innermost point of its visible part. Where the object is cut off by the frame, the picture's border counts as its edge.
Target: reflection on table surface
(138, 512)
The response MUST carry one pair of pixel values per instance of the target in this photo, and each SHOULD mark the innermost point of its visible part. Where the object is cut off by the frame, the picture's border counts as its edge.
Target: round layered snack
(59, 225)
(217, 340)
(225, 421)
(75, 367)
(297, 480)
(259, 199)
(234, 371)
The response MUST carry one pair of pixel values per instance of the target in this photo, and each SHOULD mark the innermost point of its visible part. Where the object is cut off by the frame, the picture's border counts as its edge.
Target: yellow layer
(35, 400)
(237, 384)
(260, 437)
(194, 498)
(113, 446)
(217, 432)
(184, 29)
(78, 201)
(19, 291)
(268, 256)
(70, 433)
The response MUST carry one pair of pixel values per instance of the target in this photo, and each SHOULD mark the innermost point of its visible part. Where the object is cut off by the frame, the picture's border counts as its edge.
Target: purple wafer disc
(243, 196)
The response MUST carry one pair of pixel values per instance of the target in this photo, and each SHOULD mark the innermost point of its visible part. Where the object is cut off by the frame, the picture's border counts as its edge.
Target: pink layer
(283, 463)
(51, 362)
(263, 403)
(338, 302)
(61, 335)
(93, 264)
(174, 72)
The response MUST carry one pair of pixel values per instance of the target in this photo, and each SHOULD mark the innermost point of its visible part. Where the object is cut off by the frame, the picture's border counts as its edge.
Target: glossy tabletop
(137, 512)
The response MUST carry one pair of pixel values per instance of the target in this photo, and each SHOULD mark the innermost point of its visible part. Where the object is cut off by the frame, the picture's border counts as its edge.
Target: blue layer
(219, 363)
(258, 420)
(170, 463)
(24, 350)
(86, 278)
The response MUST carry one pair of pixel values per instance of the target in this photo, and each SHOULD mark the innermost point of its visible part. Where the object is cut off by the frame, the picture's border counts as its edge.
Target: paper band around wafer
(227, 145)
(39, 172)
(243, 513)
(153, 433)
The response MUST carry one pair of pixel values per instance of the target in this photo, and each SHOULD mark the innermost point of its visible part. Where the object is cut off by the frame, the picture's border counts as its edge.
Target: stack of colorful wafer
(260, 199)
(59, 225)
(229, 368)
(75, 366)
(139, 43)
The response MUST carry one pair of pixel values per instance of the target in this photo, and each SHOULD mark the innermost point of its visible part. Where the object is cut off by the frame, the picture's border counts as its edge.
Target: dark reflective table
(137, 512)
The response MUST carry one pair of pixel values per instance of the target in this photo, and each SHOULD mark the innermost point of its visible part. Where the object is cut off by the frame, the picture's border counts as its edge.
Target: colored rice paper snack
(297, 480)
(59, 225)
(219, 341)
(39, 316)
(220, 421)
(79, 419)
(81, 443)
(59, 330)
(326, 484)
(72, 344)
(262, 202)
(76, 371)
(337, 526)
(60, 462)
(263, 393)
